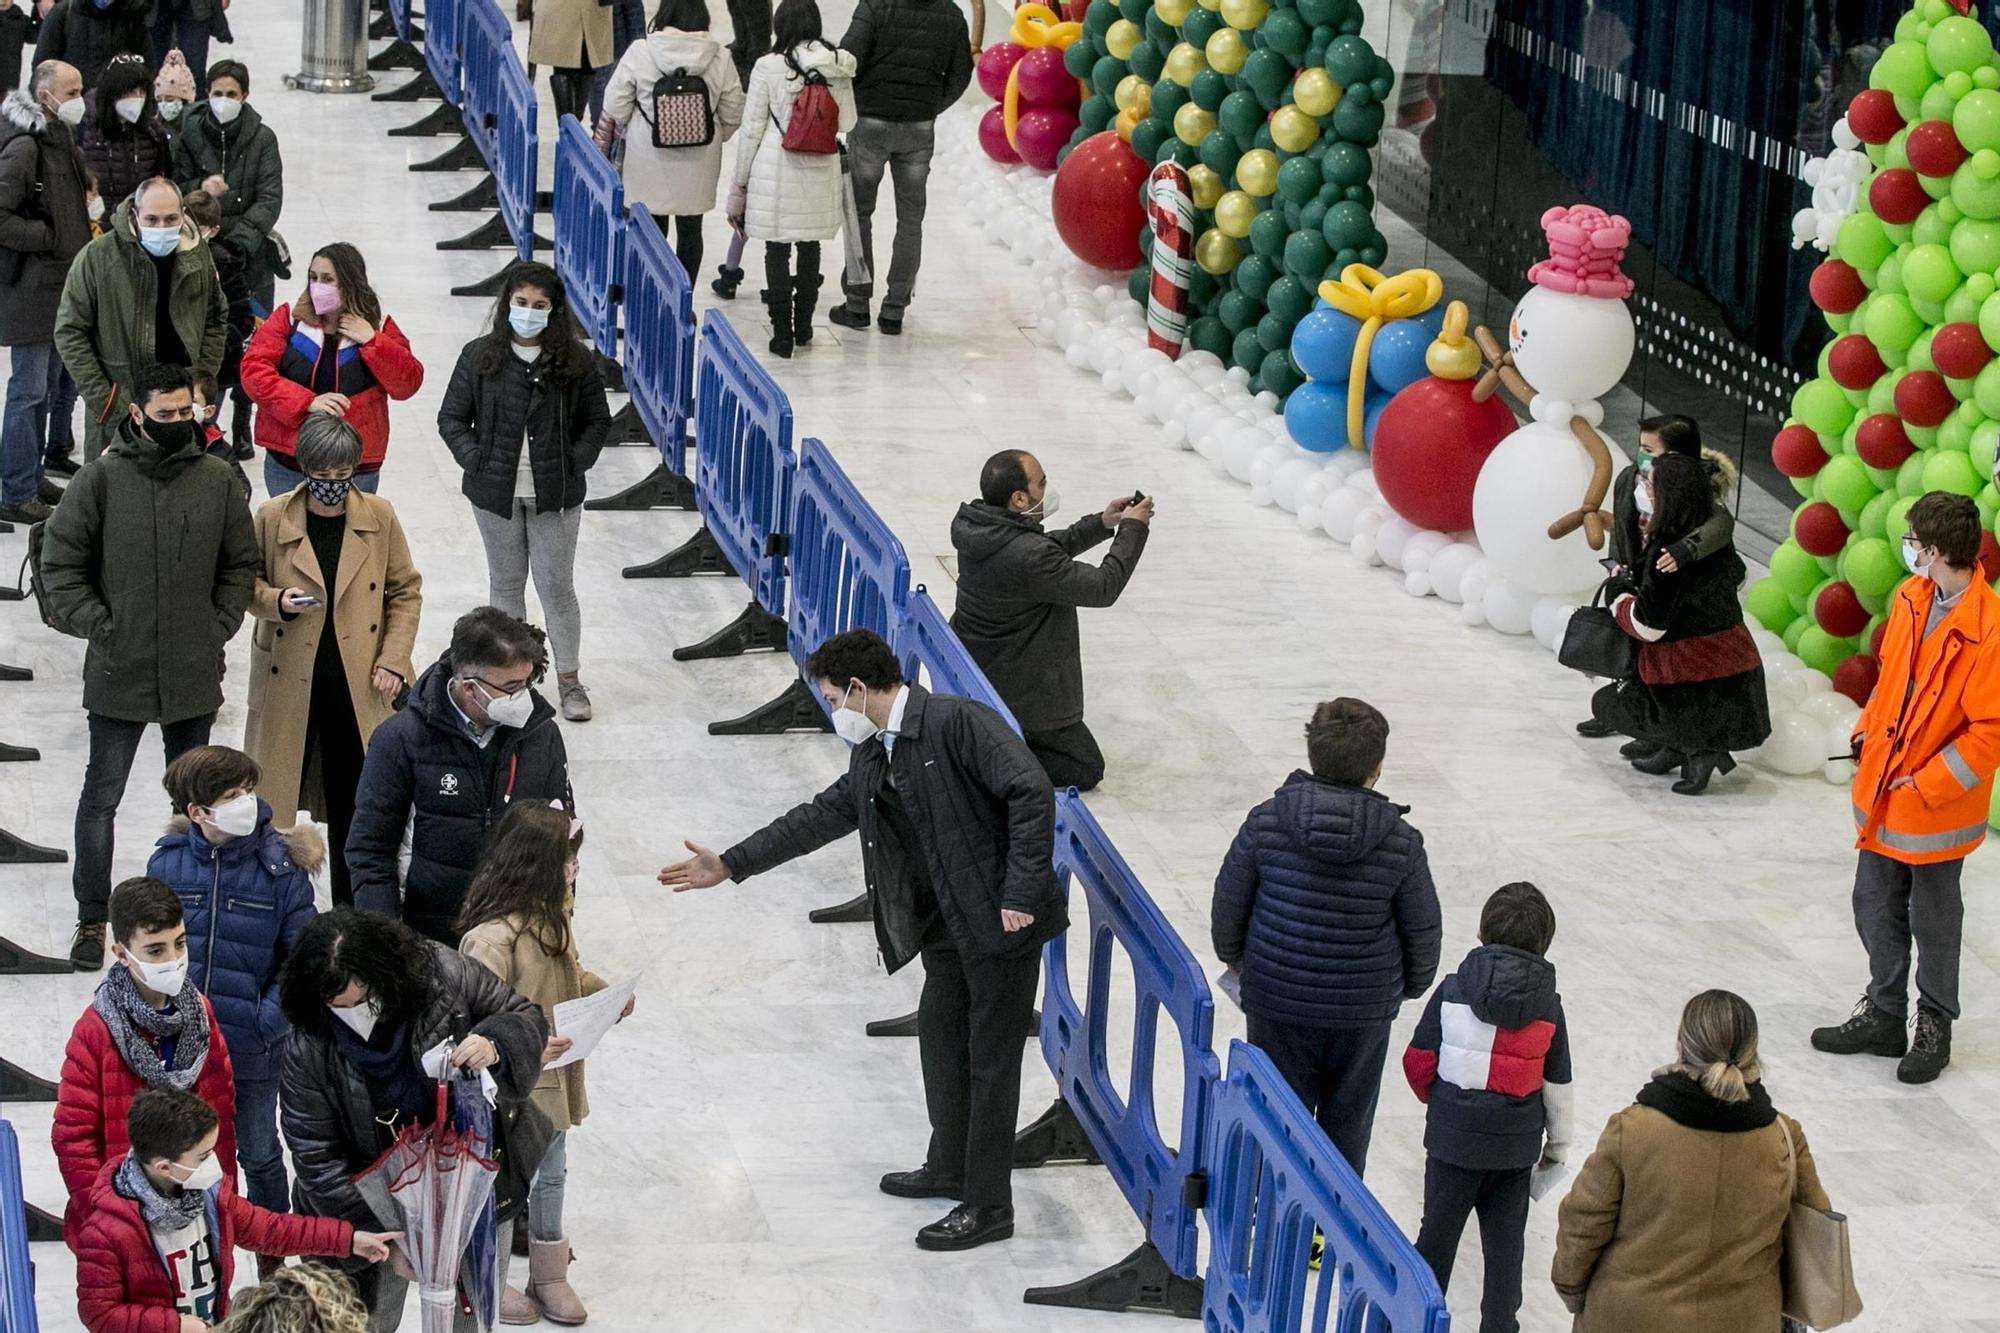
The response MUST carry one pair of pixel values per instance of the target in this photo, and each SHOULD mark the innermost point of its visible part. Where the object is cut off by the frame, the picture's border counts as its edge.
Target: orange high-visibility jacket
(1934, 717)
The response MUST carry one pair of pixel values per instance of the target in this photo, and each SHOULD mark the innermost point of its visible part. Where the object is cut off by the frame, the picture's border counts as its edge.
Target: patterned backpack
(682, 115)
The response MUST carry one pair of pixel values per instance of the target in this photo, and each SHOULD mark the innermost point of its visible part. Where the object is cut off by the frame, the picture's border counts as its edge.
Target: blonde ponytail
(1718, 1045)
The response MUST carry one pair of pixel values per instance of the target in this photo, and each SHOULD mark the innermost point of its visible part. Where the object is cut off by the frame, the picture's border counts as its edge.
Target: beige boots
(549, 1294)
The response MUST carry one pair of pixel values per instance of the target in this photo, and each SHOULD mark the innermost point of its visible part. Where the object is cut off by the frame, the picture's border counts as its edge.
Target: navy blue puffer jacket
(1326, 902)
(245, 902)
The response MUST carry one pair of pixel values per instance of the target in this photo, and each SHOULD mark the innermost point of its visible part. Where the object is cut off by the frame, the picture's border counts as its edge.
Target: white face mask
(527, 322)
(1642, 499)
(200, 1179)
(71, 112)
(224, 109)
(170, 109)
(1047, 508)
(236, 816)
(1913, 560)
(160, 978)
(95, 208)
(362, 1017)
(851, 724)
(509, 710)
(130, 109)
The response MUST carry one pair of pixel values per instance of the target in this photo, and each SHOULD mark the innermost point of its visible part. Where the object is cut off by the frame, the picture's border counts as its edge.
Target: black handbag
(1595, 643)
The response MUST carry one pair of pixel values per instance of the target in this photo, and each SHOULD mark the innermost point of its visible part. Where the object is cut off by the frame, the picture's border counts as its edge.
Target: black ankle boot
(1699, 768)
(781, 325)
(805, 293)
(1660, 762)
(1930, 1048)
(1870, 1031)
(727, 280)
(239, 432)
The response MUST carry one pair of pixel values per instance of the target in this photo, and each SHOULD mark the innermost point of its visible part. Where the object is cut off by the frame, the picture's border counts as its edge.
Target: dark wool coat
(42, 218)
(486, 417)
(79, 32)
(1325, 901)
(915, 56)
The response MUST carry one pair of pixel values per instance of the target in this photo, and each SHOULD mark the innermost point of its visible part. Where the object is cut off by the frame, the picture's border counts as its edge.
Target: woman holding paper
(516, 923)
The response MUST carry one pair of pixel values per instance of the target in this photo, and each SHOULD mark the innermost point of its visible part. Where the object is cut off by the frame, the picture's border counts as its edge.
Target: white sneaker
(575, 700)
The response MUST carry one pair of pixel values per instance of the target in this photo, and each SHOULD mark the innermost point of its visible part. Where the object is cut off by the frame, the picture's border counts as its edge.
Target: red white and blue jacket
(1491, 1058)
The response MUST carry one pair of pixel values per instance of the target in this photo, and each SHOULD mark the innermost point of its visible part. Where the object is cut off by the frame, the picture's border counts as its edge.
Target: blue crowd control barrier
(499, 122)
(399, 19)
(443, 55)
(848, 571)
(658, 301)
(17, 1276)
(589, 233)
(1164, 1184)
(925, 640)
(1274, 1181)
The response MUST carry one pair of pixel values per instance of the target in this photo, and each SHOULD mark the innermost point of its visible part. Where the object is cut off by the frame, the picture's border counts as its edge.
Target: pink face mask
(325, 297)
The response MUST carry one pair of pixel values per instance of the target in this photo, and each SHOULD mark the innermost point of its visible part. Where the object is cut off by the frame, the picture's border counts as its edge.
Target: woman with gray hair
(337, 604)
(1677, 1221)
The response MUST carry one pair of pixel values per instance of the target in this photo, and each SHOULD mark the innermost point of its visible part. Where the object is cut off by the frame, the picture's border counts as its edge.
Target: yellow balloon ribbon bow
(1034, 25)
(1374, 299)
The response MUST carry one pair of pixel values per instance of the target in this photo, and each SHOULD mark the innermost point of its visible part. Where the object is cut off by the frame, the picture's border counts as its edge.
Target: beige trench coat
(569, 34)
(511, 953)
(376, 599)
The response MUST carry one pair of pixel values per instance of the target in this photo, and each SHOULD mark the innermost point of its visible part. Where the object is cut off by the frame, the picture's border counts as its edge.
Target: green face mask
(1645, 465)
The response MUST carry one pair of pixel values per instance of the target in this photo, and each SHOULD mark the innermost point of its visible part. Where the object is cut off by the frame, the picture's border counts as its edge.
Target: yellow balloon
(1184, 62)
(1216, 253)
(1257, 172)
(1225, 51)
(1315, 93)
(1126, 95)
(1292, 129)
(1211, 4)
(1192, 125)
(1234, 213)
(1122, 38)
(1204, 185)
(1244, 14)
(1127, 122)
(1173, 12)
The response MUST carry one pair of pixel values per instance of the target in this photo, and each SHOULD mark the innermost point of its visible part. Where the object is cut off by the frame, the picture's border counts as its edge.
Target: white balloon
(1417, 583)
(1768, 644)
(1316, 487)
(1174, 434)
(1472, 588)
(1472, 613)
(1549, 620)
(1239, 375)
(1364, 479)
(1393, 536)
(1309, 517)
(1420, 550)
(1077, 354)
(1784, 693)
(1371, 519)
(1339, 512)
(1207, 376)
(1839, 738)
(1363, 547)
(1535, 475)
(1260, 494)
(1448, 568)
(1797, 745)
(1199, 360)
(1289, 480)
(1241, 452)
(1268, 400)
(1781, 664)
(1571, 346)
(1831, 709)
(1816, 681)
(1509, 608)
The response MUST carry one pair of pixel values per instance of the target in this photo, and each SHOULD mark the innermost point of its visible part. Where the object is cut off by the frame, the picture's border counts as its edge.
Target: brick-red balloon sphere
(1837, 288)
(1958, 350)
(1933, 149)
(1839, 612)
(1820, 530)
(1856, 677)
(1989, 556)
(1095, 202)
(1854, 363)
(1429, 445)
(1797, 453)
(1873, 117)
(1875, 640)
(1923, 398)
(1897, 195)
(1882, 442)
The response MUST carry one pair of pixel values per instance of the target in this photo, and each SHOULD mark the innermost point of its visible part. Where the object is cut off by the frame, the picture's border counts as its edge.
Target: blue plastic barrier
(925, 639)
(589, 233)
(483, 39)
(499, 115)
(1274, 1180)
(659, 335)
(399, 18)
(743, 470)
(848, 569)
(17, 1277)
(443, 51)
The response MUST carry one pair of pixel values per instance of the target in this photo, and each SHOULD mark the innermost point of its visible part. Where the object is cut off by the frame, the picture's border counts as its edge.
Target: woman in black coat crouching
(1699, 691)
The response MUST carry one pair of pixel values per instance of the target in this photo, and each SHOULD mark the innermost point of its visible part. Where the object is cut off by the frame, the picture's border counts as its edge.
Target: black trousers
(1451, 1194)
(686, 238)
(1069, 755)
(971, 1026)
(333, 746)
(114, 744)
(1337, 1073)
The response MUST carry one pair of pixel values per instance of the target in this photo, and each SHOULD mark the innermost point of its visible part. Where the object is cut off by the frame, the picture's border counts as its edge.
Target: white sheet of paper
(1546, 1177)
(585, 1021)
(1230, 984)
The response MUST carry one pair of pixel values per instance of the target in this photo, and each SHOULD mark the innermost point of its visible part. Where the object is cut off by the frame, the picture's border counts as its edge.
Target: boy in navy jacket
(1491, 1058)
(246, 892)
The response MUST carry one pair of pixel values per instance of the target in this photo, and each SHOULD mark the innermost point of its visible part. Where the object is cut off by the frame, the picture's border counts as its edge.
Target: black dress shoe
(1594, 730)
(1660, 762)
(922, 1183)
(889, 324)
(966, 1226)
(61, 465)
(1638, 749)
(48, 492)
(1699, 769)
(846, 318)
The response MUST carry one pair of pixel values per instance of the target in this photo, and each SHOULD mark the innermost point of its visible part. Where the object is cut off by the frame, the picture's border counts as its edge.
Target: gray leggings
(546, 544)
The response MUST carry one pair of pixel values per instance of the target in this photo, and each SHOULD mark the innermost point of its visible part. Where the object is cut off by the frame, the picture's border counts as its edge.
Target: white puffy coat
(672, 180)
(791, 196)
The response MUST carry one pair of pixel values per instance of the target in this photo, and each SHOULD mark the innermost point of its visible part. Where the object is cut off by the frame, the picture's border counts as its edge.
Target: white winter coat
(672, 180)
(791, 196)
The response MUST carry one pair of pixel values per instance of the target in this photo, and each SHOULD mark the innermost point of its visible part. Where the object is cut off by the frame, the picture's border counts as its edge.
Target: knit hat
(175, 80)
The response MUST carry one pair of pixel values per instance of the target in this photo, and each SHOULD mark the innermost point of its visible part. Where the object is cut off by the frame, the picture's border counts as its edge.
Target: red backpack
(815, 123)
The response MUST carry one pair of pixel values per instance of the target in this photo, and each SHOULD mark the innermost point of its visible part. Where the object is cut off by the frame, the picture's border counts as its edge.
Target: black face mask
(171, 436)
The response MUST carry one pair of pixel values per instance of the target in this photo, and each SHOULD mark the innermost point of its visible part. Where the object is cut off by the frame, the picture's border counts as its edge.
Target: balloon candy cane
(1034, 25)
(1373, 299)
(1170, 214)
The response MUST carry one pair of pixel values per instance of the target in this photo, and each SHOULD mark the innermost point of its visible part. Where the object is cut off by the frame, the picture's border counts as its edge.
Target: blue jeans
(34, 384)
(280, 477)
(175, 26)
(257, 1150)
(62, 417)
(545, 1196)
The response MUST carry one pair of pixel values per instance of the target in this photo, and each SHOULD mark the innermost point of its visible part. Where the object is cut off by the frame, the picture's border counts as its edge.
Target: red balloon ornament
(1041, 135)
(1881, 442)
(1096, 204)
(1854, 363)
(1873, 117)
(1933, 149)
(1923, 398)
(995, 64)
(1045, 83)
(1820, 529)
(1875, 639)
(1897, 195)
(1797, 452)
(1430, 443)
(1836, 288)
(1989, 556)
(993, 137)
(1856, 677)
(1839, 612)
(1958, 350)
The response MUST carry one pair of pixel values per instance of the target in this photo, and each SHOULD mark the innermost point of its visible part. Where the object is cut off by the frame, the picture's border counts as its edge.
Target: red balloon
(1820, 530)
(1044, 82)
(1096, 202)
(1854, 363)
(1989, 556)
(1958, 350)
(995, 64)
(1856, 677)
(1839, 612)
(1873, 117)
(1797, 452)
(1923, 398)
(1875, 639)
(1837, 288)
(1041, 134)
(1430, 442)
(1897, 195)
(993, 136)
(1881, 441)
(1933, 149)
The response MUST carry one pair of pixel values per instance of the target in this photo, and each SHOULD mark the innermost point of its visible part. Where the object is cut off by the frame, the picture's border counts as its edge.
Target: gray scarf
(164, 1212)
(137, 1029)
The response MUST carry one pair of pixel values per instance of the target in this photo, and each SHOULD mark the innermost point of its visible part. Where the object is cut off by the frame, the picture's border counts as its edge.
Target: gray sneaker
(575, 700)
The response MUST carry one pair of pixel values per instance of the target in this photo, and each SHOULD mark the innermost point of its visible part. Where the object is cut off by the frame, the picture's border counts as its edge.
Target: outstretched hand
(703, 870)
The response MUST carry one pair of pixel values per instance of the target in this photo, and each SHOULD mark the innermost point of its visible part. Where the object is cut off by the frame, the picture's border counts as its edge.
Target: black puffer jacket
(486, 415)
(328, 1115)
(121, 155)
(245, 154)
(86, 36)
(422, 761)
(42, 217)
(915, 57)
(1018, 590)
(1326, 902)
(981, 806)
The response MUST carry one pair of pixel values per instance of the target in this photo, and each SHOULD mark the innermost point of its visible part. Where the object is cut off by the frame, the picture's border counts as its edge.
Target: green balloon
(1148, 135)
(1958, 45)
(1306, 254)
(1139, 284)
(1208, 89)
(1279, 373)
(1956, 432)
(1285, 32)
(1200, 25)
(1769, 606)
(1975, 245)
(1239, 310)
(1949, 470)
(1079, 59)
(1169, 97)
(1844, 484)
(1820, 404)
(1898, 521)
(1241, 114)
(1148, 61)
(1246, 351)
(1871, 565)
(1986, 389)
(1350, 60)
(1132, 11)
(1893, 323)
(1218, 153)
(1976, 120)
(1929, 274)
(1321, 13)
(1253, 276)
(1267, 234)
(1984, 446)
(1910, 477)
(1860, 240)
(1973, 191)
(1871, 517)
(1096, 112)
(1357, 123)
(1902, 69)
(1796, 630)
(1312, 216)
(1988, 501)
(1275, 333)
(1793, 570)
(1930, 228)
(1099, 17)
(1299, 180)
(1290, 298)
(1939, 99)
(1821, 651)
(1962, 307)
(1209, 334)
(1268, 74)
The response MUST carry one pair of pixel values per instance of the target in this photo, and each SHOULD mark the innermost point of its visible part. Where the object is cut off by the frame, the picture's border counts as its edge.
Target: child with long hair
(516, 923)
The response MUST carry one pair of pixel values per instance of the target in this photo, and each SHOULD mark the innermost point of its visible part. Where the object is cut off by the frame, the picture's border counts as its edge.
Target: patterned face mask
(328, 493)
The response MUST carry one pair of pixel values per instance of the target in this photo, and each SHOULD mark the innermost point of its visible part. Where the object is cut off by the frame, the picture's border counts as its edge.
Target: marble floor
(725, 1178)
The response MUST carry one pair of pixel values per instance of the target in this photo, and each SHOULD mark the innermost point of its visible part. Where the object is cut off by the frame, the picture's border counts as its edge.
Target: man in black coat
(957, 830)
(1018, 590)
(474, 736)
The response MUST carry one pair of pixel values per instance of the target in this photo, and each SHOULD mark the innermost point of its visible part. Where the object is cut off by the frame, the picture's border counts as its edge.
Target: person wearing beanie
(173, 91)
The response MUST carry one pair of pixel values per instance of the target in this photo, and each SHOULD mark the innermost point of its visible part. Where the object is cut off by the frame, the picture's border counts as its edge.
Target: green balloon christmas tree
(1272, 106)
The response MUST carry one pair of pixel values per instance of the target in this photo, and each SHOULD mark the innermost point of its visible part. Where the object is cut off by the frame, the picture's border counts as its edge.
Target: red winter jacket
(122, 1284)
(277, 373)
(95, 1096)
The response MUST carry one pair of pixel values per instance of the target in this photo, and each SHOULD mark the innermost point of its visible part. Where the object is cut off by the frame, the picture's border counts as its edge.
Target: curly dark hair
(564, 357)
(381, 954)
(855, 654)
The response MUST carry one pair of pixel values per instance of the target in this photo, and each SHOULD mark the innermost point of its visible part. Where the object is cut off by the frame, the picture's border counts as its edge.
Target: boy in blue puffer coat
(1325, 908)
(246, 892)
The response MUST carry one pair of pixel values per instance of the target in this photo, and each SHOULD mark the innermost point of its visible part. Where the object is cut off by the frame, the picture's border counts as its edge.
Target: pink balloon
(1044, 81)
(993, 136)
(995, 64)
(1042, 133)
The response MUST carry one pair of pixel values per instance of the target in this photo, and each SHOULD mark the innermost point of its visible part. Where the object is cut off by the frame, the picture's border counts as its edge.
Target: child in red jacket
(148, 1026)
(157, 1250)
